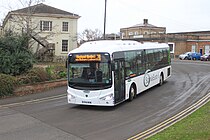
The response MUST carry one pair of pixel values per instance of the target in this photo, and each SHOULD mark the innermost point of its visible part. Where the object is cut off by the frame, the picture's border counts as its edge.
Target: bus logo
(146, 79)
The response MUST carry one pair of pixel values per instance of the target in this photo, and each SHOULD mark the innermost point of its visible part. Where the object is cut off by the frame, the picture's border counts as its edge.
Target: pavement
(52, 92)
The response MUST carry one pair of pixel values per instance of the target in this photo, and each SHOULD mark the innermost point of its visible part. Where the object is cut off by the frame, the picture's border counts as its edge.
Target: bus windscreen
(89, 71)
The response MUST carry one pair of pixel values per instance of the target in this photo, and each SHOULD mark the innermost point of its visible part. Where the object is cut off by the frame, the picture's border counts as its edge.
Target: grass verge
(194, 127)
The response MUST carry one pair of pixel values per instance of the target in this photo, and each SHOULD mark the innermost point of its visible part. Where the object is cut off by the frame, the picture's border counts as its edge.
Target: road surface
(54, 119)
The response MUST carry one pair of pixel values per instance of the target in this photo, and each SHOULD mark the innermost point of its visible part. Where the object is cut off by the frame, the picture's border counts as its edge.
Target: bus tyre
(132, 93)
(161, 80)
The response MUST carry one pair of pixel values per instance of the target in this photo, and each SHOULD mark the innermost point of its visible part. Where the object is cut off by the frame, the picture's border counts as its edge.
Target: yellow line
(175, 118)
(33, 101)
(164, 123)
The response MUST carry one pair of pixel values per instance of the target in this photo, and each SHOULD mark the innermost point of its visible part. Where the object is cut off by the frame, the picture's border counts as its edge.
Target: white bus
(106, 73)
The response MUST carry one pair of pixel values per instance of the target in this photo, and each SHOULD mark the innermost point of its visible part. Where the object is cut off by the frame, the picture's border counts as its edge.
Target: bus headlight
(107, 97)
(71, 96)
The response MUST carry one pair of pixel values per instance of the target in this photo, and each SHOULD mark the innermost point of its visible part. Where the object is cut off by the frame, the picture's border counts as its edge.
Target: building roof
(193, 33)
(43, 9)
(144, 24)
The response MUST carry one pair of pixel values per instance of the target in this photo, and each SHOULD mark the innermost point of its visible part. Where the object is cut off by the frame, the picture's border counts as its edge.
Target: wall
(181, 47)
(57, 35)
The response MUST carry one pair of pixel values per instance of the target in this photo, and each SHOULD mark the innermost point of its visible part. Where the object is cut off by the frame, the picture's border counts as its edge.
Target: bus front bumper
(107, 100)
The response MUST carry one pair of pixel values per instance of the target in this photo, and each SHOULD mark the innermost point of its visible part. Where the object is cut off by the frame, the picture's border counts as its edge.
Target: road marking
(165, 124)
(52, 98)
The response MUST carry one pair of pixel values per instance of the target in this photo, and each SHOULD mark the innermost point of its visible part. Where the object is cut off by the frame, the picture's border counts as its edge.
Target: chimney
(145, 21)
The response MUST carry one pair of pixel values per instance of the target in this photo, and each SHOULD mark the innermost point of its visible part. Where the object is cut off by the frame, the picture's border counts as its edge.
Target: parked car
(194, 56)
(184, 56)
(205, 57)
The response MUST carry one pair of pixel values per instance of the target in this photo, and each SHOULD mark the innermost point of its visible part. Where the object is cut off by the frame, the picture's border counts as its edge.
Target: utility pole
(105, 21)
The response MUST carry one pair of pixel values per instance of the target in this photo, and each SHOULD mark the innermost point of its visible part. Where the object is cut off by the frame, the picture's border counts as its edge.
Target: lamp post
(105, 21)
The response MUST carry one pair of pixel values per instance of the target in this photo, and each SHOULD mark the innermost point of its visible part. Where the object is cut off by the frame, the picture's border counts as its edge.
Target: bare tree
(23, 19)
(88, 35)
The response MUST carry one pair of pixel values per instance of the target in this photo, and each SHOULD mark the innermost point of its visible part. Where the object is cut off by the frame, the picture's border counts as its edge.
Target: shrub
(34, 75)
(60, 71)
(41, 74)
(15, 57)
(56, 71)
(7, 85)
(62, 74)
(51, 73)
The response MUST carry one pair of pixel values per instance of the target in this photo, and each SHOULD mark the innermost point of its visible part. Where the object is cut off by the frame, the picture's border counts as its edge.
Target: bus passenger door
(119, 81)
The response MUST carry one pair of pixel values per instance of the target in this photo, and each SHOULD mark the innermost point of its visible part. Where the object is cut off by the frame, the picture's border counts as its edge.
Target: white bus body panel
(139, 80)
(91, 97)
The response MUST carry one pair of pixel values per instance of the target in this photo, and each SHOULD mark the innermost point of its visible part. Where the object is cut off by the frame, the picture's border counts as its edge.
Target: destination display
(87, 57)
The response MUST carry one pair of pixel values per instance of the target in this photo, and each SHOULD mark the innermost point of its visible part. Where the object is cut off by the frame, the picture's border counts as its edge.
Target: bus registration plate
(87, 102)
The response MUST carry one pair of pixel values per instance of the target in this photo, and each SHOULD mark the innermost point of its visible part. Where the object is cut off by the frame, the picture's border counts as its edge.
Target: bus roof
(111, 46)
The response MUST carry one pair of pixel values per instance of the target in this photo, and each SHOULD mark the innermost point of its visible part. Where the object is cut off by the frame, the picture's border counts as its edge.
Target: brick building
(179, 42)
(191, 42)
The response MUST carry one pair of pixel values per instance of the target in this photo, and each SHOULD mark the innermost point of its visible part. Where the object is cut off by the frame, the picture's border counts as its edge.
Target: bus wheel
(132, 93)
(161, 80)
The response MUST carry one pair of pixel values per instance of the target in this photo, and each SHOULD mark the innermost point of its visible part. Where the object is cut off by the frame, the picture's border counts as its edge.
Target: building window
(65, 26)
(193, 48)
(136, 33)
(207, 49)
(64, 45)
(130, 33)
(46, 25)
(171, 47)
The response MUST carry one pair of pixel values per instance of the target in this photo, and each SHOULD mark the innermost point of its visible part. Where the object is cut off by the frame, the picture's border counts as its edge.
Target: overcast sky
(175, 15)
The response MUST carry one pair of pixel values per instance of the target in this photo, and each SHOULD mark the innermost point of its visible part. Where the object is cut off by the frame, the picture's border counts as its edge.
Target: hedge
(7, 85)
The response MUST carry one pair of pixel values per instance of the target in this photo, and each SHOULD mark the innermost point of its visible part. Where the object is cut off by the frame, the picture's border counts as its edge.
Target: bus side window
(130, 63)
(127, 69)
(115, 66)
(150, 59)
(116, 71)
(140, 63)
